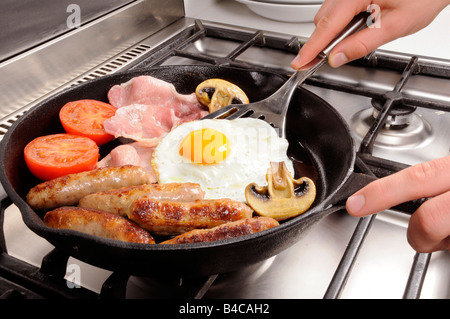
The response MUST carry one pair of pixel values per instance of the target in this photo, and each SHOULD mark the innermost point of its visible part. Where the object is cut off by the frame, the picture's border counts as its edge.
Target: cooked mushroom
(283, 197)
(218, 93)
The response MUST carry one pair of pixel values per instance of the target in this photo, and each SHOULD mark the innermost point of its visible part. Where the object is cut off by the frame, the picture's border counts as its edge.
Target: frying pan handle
(356, 181)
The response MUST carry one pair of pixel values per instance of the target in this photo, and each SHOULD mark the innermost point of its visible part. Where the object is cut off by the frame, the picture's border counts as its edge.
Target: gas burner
(401, 115)
(407, 129)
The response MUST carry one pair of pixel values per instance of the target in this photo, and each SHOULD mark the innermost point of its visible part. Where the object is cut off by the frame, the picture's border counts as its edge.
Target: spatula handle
(359, 22)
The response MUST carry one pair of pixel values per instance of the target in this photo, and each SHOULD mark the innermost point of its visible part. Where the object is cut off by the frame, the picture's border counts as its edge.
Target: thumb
(359, 45)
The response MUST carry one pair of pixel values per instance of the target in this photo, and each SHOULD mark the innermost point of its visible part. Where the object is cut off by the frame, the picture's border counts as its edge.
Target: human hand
(429, 226)
(396, 19)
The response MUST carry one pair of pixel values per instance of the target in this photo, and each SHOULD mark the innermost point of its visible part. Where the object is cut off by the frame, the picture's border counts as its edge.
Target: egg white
(253, 143)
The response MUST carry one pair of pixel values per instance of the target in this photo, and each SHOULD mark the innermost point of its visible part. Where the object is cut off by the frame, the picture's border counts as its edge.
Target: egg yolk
(205, 146)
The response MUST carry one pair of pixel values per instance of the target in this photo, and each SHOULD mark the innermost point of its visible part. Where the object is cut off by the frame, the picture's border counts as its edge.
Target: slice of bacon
(130, 154)
(148, 90)
(149, 108)
(146, 124)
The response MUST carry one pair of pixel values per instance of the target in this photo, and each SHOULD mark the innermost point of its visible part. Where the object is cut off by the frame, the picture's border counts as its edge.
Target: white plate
(283, 12)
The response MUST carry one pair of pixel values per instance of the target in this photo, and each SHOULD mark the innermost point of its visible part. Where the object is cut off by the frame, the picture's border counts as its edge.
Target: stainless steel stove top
(384, 261)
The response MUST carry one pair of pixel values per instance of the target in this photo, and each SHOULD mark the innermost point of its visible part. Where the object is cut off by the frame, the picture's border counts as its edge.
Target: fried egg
(223, 156)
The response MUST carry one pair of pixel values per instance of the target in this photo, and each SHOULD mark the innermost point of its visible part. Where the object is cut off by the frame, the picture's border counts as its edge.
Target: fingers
(429, 226)
(358, 45)
(423, 180)
(351, 48)
(365, 41)
(392, 21)
(324, 9)
(330, 20)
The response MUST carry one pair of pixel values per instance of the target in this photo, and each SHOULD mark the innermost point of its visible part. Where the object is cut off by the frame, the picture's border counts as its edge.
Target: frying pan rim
(27, 211)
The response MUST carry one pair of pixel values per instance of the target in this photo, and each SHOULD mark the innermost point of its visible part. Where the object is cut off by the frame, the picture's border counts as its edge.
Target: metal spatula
(273, 109)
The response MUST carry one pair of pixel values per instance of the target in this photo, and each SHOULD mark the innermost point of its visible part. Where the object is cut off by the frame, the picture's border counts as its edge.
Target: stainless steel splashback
(45, 19)
(49, 65)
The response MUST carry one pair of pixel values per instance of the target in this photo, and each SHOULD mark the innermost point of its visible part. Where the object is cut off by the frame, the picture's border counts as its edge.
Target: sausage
(69, 189)
(225, 231)
(173, 218)
(97, 223)
(118, 200)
